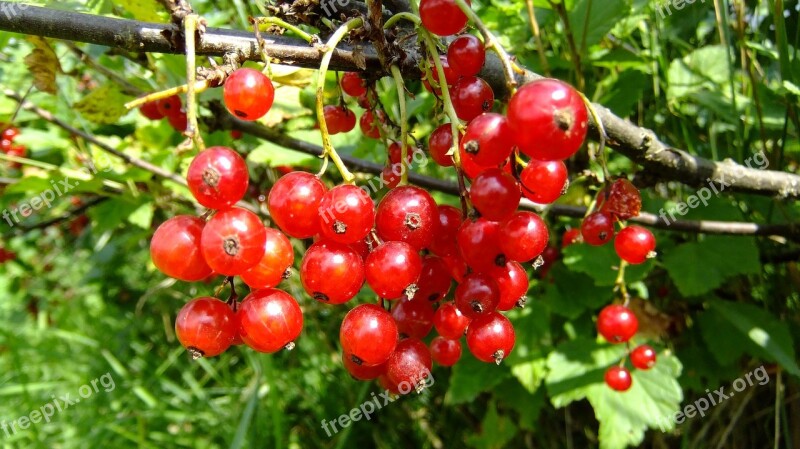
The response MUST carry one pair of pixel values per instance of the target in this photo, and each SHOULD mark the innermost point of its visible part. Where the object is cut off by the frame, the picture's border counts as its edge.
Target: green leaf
(511, 393)
(722, 258)
(576, 370)
(142, 216)
(591, 20)
(703, 69)
(144, 10)
(767, 337)
(104, 105)
(496, 431)
(599, 261)
(471, 377)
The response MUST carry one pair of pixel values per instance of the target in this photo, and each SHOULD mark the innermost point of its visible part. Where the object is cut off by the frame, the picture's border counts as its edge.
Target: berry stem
(601, 150)
(619, 283)
(451, 114)
(401, 94)
(259, 21)
(233, 297)
(400, 16)
(491, 42)
(330, 46)
(199, 86)
(190, 26)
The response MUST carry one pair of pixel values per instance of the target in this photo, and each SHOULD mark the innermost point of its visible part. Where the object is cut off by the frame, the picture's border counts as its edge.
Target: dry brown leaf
(43, 64)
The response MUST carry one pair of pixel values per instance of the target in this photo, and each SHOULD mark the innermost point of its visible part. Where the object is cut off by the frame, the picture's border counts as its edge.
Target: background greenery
(79, 302)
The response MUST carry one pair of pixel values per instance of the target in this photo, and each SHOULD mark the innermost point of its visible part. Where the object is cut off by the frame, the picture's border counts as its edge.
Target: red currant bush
(248, 94)
(293, 204)
(206, 327)
(331, 272)
(442, 17)
(634, 244)
(491, 337)
(175, 249)
(270, 320)
(617, 324)
(643, 357)
(368, 335)
(618, 378)
(218, 177)
(549, 118)
(233, 241)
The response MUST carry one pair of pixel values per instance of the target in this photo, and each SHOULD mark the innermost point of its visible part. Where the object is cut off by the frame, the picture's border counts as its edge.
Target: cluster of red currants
(233, 242)
(170, 108)
(617, 324)
(8, 146)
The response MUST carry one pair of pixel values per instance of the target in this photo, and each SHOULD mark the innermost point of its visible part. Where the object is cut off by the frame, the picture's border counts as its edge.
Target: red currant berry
(621, 200)
(442, 17)
(269, 320)
(409, 365)
(491, 337)
(407, 214)
(169, 106)
(434, 280)
(617, 324)
(445, 230)
(175, 249)
(178, 120)
(368, 335)
(236, 134)
(346, 214)
(571, 236)
(206, 327)
(391, 175)
(445, 352)
(478, 294)
(395, 153)
(12, 132)
(278, 257)
(248, 94)
(524, 236)
(150, 110)
(495, 194)
(597, 229)
(331, 272)
(512, 281)
(353, 85)
(233, 241)
(618, 378)
(479, 243)
(398, 258)
(543, 181)
(294, 204)
(549, 118)
(643, 357)
(369, 126)
(414, 318)
(488, 140)
(218, 177)
(466, 55)
(362, 372)
(450, 76)
(634, 244)
(363, 101)
(439, 144)
(339, 119)
(471, 97)
(450, 323)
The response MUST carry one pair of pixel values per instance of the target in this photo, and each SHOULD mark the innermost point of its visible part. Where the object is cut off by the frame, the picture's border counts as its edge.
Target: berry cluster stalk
(330, 46)
(190, 28)
(401, 94)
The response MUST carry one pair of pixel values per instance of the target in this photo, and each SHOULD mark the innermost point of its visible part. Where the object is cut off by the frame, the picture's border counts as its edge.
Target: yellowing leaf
(297, 77)
(43, 64)
(145, 10)
(104, 105)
